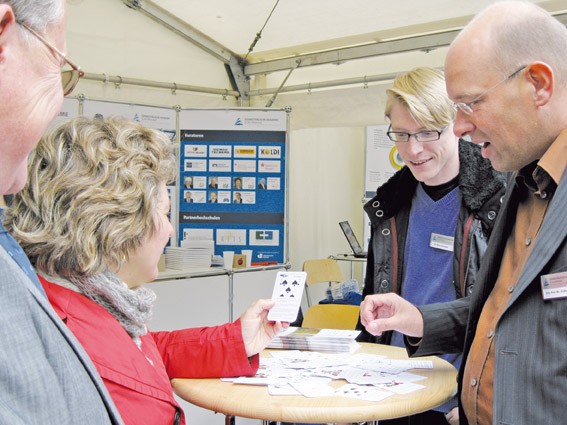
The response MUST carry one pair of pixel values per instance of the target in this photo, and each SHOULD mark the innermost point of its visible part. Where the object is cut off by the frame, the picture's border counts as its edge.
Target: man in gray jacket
(45, 376)
(507, 73)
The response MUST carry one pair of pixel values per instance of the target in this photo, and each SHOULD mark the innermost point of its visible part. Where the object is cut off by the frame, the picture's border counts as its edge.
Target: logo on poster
(270, 152)
(264, 235)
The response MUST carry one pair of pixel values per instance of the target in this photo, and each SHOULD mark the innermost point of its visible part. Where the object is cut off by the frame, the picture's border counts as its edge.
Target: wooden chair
(331, 316)
(325, 270)
(327, 316)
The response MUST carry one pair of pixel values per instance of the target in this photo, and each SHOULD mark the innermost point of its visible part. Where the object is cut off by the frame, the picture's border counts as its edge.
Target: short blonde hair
(424, 93)
(91, 196)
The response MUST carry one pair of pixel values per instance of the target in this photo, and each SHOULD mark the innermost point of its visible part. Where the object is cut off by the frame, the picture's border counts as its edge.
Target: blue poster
(232, 182)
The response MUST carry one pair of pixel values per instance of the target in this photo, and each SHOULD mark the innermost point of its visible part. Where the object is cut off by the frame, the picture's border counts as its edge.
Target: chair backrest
(319, 271)
(331, 316)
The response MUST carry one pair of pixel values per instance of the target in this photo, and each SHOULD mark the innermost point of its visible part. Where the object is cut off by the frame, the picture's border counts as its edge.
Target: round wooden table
(251, 401)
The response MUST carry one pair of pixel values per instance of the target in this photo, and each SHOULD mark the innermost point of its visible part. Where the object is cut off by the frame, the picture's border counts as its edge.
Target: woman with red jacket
(93, 220)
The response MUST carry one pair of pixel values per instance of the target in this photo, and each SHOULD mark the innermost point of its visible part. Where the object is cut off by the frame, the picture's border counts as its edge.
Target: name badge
(554, 285)
(442, 242)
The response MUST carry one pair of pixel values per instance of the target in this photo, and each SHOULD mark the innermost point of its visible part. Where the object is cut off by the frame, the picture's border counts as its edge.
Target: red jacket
(138, 379)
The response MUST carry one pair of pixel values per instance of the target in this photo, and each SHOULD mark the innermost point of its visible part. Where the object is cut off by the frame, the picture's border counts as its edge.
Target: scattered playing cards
(309, 374)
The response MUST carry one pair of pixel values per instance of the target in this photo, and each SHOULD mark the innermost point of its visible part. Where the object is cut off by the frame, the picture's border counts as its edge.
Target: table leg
(230, 296)
(229, 420)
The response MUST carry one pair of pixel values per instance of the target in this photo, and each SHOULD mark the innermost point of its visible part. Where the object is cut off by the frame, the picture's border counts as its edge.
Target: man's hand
(257, 330)
(452, 416)
(385, 312)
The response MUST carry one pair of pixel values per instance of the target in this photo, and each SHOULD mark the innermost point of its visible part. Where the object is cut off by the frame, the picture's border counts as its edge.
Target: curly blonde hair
(423, 91)
(91, 196)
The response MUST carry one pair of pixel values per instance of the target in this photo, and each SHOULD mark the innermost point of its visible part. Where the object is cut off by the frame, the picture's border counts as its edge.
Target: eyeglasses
(69, 78)
(421, 136)
(467, 107)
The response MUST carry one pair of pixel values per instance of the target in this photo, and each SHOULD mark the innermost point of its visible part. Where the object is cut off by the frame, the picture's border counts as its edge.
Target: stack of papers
(192, 253)
(334, 340)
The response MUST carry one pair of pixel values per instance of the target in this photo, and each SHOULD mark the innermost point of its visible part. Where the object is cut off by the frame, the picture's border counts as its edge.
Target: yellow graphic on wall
(395, 159)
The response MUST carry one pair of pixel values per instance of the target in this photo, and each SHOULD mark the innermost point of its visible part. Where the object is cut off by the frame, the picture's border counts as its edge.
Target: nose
(413, 145)
(462, 126)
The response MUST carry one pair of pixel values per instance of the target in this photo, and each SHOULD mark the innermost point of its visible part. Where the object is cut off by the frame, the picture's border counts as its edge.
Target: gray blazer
(530, 369)
(45, 375)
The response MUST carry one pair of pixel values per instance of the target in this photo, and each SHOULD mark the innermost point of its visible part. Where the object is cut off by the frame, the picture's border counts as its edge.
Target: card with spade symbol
(288, 290)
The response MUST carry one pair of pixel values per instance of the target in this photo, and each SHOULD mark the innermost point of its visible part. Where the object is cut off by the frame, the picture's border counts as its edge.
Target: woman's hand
(257, 330)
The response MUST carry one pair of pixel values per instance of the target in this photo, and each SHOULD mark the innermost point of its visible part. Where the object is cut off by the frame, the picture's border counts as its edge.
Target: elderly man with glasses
(46, 376)
(432, 219)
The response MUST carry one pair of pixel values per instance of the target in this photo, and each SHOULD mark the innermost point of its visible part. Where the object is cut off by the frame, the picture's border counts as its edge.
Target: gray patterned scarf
(131, 307)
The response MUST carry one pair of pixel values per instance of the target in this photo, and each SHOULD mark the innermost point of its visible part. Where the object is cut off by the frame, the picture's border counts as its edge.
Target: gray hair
(38, 14)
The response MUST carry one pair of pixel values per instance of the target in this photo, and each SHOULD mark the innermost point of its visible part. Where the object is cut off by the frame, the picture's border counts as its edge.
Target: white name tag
(554, 285)
(442, 242)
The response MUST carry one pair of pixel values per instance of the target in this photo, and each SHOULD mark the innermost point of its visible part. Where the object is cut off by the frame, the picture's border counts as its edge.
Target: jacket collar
(478, 182)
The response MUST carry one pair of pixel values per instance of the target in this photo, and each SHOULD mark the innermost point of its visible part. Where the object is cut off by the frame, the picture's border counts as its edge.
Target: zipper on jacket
(177, 416)
(465, 267)
(394, 254)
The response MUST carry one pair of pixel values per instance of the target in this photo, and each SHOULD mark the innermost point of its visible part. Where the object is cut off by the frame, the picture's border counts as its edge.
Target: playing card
(362, 392)
(288, 290)
(314, 387)
(400, 387)
(283, 390)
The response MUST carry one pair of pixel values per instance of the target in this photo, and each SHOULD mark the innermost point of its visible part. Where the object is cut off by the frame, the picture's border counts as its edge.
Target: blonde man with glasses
(432, 219)
(46, 377)
(511, 95)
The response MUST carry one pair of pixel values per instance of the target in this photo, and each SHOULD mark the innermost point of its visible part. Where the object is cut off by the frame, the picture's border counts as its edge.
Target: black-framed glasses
(70, 77)
(420, 136)
(468, 107)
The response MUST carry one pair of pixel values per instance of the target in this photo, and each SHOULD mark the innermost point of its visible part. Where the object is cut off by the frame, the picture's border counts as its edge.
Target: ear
(7, 21)
(540, 76)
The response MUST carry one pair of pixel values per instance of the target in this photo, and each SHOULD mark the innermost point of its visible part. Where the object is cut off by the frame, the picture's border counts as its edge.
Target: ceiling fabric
(261, 48)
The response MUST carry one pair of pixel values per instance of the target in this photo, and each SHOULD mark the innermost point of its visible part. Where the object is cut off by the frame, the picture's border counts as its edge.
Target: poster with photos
(233, 178)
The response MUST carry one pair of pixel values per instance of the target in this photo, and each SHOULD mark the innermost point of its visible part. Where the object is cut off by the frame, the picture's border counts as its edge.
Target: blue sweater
(428, 271)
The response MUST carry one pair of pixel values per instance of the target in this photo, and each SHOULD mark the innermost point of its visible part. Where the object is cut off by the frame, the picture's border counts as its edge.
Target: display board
(163, 119)
(382, 159)
(232, 179)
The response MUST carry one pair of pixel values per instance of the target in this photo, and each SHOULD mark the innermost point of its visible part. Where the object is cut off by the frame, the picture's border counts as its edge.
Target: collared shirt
(536, 183)
(17, 253)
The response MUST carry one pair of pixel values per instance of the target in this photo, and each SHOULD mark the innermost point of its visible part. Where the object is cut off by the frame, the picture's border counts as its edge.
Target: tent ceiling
(299, 26)
(370, 39)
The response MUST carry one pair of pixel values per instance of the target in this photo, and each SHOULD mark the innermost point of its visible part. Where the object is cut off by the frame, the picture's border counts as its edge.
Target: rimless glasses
(468, 107)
